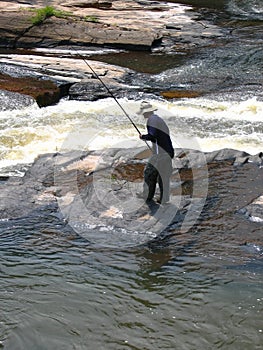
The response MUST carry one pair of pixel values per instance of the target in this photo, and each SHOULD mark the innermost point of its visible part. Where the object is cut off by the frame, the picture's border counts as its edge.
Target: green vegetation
(46, 12)
(91, 19)
(49, 11)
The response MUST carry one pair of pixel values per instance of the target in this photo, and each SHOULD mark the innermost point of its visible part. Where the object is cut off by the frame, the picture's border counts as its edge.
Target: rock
(77, 78)
(61, 177)
(43, 91)
(12, 100)
(95, 194)
(54, 30)
(121, 86)
(93, 90)
(254, 211)
(99, 4)
(194, 158)
(70, 31)
(258, 159)
(96, 23)
(226, 154)
(116, 23)
(49, 79)
(172, 94)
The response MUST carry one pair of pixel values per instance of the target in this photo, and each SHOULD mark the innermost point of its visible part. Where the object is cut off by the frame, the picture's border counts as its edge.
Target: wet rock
(77, 78)
(93, 90)
(30, 190)
(43, 91)
(254, 211)
(98, 177)
(173, 94)
(49, 79)
(12, 100)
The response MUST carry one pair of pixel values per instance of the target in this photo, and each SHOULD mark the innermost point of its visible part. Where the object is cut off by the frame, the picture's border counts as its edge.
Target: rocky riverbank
(141, 25)
(98, 188)
(158, 27)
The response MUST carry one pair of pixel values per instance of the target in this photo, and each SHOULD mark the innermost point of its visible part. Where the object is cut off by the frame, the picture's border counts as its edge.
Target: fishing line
(109, 92)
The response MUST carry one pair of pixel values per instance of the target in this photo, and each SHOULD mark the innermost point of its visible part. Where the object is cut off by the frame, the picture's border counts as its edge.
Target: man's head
(146, 109)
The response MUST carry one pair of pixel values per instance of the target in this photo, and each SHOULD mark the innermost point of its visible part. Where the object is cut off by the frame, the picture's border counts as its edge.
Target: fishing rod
(111, 94)
(109, 91)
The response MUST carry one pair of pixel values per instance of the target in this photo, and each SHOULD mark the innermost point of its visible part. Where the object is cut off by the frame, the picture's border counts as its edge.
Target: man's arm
(150, 136)
(152, 130)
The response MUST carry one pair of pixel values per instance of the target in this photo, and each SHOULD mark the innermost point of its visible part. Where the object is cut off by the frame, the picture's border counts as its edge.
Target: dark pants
(158, 169)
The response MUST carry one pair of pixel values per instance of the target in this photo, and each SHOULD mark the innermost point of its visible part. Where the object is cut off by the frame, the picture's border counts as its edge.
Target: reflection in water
(81, 298)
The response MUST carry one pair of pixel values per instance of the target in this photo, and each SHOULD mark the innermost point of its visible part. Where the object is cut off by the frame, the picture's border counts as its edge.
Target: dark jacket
(159, 135)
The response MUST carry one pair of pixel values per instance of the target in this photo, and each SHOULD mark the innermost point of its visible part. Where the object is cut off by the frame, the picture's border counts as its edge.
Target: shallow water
(77, 298)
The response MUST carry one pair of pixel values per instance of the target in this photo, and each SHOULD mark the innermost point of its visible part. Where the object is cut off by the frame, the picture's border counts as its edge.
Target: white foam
(102, 124)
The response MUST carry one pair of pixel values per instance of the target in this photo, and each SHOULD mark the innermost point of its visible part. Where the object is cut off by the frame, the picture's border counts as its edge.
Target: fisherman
(159, 166)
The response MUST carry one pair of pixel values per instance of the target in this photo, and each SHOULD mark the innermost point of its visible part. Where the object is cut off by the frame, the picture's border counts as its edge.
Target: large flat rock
(140, 25)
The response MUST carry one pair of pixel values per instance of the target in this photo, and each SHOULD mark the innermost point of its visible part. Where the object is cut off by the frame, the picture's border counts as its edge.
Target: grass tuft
(46, 12)
(91, 19)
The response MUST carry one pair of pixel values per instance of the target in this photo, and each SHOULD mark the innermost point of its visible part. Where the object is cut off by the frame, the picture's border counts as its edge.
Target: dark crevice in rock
(21, 35)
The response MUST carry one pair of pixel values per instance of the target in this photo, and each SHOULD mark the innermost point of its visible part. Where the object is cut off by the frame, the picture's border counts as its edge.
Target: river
(201, 289)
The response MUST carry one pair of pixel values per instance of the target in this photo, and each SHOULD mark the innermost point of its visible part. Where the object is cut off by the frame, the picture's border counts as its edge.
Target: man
(159, 166)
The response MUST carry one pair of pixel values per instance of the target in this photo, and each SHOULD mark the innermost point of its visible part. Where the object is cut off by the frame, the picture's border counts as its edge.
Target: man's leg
(165, 172)
(150, 180)
(164, 185)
